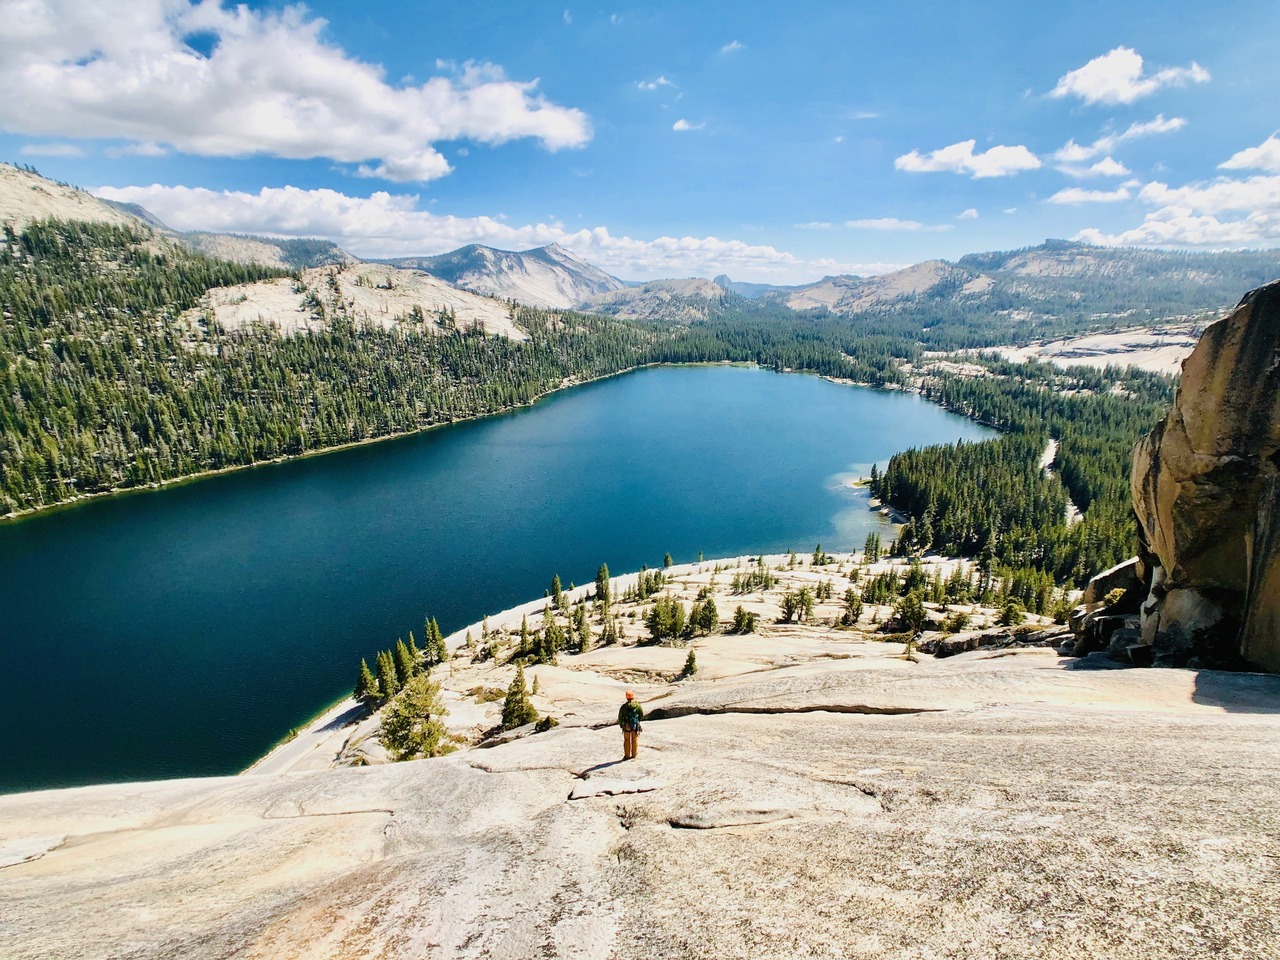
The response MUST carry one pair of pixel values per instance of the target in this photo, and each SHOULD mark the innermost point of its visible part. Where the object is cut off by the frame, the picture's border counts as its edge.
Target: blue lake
(182, 632)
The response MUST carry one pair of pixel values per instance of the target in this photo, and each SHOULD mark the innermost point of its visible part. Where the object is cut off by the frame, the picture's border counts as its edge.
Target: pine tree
(405, 665)
(367, 691)
(910, 612)
(388, 679)
(690, 665)
(516, 708)
(412, 724)
(602, 588)
(557, 592)
(666, 560)
(552, 637)
(581, 629)
(435, 651)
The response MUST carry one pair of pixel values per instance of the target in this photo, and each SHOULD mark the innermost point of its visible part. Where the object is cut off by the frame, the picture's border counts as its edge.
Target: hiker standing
(629, 716)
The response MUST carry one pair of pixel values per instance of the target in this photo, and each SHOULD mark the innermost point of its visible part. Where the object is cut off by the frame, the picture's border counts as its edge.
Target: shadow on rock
(1238, 692)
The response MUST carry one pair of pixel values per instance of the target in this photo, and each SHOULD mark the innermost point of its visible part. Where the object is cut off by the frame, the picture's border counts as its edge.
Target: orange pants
(630, 744)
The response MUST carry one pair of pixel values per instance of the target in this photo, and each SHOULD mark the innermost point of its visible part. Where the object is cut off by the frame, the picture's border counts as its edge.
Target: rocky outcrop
(1205, 488)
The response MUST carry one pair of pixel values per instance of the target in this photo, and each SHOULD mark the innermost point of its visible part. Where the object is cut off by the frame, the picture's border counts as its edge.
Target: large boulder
(1204, 489)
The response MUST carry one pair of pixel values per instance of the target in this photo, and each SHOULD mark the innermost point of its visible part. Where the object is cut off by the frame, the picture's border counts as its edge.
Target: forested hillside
(105, 384)
(992, 499)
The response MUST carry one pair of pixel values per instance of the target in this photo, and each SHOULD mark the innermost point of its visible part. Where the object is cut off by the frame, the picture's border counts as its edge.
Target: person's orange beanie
(630, 695)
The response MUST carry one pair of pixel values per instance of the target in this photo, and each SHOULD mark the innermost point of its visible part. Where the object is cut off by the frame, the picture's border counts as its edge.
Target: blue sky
(772, 142)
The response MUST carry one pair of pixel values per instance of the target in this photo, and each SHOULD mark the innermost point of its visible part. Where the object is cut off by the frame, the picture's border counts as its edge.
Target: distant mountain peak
(549, 276)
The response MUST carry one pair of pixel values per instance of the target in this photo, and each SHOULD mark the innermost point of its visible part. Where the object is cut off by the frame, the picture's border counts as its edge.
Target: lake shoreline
(267, 589)
(569, 383)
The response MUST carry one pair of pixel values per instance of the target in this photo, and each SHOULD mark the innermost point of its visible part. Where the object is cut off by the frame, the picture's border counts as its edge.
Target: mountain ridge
(548, 277)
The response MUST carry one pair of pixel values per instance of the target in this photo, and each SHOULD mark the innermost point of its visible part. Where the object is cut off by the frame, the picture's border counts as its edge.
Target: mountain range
(1055, 280)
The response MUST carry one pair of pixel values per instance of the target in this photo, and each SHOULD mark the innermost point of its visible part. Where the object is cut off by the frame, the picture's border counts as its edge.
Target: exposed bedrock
(1205, 488)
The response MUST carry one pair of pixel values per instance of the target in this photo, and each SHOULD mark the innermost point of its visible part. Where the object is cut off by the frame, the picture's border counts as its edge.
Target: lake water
(182, 632)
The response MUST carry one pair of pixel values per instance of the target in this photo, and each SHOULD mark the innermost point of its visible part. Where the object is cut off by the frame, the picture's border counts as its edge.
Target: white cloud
(1116, 78)
(970, 214)
(1193, 215)
(1072, 152)
(661, 81)
(568, 17)
(894, 224)
(1265, 156)
(1220, 196)
(392, 225)
(271, 84)
(145, 148)
(732, 46)
(1106, 167)
(1010, 209)
(1080, 195)
(813, 225)
(52, 150)
(682, 124)
(999, 161)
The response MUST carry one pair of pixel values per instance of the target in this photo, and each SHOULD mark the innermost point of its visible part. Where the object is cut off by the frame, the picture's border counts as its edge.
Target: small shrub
(1012, 613)
(545, 724)
(487, 694)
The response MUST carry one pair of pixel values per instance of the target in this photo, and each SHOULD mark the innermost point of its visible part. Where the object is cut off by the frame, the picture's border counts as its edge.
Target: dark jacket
(629, 715)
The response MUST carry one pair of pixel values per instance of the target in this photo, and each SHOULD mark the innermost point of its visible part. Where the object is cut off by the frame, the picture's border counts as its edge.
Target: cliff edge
(1205, 491)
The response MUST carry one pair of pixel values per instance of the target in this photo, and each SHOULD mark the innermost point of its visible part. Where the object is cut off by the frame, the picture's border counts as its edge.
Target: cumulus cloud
(1117, 78)
(1221, 213)
(52, 150)
(1265, 156)
(1106, 167)
(970, 214)
(216, 81)
(1072, 152)
(1080, 195)
(894, 224)
(145, 148)
(660, 81)
(732, 46)
(999, 161)
(386, 224)
(682, 125)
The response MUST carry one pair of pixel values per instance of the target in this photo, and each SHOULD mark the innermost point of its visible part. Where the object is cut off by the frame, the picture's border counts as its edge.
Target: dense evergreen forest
(992, 499)
(105, 384)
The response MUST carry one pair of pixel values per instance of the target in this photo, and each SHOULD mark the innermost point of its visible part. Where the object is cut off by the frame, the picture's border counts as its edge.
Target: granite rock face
(992, 804)
(1205, 489)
